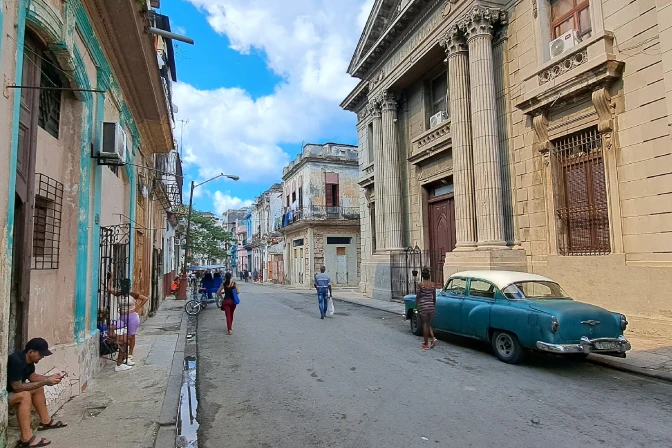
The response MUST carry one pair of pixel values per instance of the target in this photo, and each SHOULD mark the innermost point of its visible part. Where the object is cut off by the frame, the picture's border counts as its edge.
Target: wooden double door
(24, 204)
(442, 235)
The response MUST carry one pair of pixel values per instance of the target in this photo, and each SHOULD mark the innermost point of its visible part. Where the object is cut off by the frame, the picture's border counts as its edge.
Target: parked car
(516, 311)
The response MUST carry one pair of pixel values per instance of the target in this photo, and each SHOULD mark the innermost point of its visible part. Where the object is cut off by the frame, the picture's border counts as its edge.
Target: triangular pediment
(381, 17)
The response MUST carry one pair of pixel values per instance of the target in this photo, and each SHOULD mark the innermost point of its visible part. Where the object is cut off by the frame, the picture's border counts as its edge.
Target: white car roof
(502, 279)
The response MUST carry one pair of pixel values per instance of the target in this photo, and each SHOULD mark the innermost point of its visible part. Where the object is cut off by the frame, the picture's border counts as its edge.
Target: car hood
(579, 319)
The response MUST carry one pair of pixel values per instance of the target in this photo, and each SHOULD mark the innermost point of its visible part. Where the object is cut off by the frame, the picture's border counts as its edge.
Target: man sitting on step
(23, 395)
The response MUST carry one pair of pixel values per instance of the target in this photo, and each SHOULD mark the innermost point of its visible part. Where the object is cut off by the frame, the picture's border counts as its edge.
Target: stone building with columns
(530, 136)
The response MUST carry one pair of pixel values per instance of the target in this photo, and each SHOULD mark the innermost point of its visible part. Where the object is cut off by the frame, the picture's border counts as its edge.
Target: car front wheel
(416, 323)
(506, 347)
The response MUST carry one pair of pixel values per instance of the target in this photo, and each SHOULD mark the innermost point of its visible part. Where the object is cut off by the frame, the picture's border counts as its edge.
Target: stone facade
(320, 220)
(554, 164)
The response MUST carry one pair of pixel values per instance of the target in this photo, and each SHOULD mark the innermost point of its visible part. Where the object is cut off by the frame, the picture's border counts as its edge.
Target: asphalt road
(359, 379)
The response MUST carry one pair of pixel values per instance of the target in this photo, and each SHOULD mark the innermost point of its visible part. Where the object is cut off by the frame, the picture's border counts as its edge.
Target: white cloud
(224, 202)
(309, 44)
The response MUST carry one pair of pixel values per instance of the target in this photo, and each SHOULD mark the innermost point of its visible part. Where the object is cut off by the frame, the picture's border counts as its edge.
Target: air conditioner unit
(437, 119)
(564, 43)
(113, 143)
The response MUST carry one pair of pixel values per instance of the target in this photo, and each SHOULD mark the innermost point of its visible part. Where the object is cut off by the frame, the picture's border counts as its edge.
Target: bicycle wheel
(219, 301)
(192, 307)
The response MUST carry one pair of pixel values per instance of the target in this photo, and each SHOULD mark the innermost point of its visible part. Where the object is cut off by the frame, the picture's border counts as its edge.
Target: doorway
(442, 234)
(24, 197)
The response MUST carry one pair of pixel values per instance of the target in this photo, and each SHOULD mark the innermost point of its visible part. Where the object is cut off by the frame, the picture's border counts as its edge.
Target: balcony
(319, 213)
(430, 143)
(168, 179)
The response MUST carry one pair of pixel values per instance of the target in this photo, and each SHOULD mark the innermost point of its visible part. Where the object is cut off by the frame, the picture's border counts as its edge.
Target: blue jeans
(323, 301)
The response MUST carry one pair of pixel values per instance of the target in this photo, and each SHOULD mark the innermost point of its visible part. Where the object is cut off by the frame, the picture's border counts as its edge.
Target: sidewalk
(651, 339)
(137, 408)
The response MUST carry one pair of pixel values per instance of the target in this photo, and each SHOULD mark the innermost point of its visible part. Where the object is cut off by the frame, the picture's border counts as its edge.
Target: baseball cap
(39, 345)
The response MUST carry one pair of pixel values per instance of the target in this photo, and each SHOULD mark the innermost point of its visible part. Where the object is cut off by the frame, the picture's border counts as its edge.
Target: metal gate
(406, 268)
(115, 251)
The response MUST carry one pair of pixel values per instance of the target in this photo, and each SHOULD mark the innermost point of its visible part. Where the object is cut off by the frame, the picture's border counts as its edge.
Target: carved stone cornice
(592, 65)
(480, 21)
(454, 42)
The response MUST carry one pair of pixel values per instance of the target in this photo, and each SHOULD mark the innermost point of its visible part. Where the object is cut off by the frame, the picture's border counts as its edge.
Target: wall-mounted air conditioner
(564, 43)
(113, 143)
(437, 119)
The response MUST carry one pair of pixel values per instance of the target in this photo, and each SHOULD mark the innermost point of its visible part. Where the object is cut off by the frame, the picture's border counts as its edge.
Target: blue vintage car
(516, 311)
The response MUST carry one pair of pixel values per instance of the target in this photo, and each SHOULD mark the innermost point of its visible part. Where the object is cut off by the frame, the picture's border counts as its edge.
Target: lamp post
(182, 293)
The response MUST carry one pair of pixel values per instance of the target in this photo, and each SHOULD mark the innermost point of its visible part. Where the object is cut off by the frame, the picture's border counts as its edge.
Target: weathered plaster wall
(326, 254)
(8, 37)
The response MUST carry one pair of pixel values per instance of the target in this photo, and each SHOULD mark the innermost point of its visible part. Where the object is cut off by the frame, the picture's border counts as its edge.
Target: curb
(623, 367)
(167, 433)
(367, 305)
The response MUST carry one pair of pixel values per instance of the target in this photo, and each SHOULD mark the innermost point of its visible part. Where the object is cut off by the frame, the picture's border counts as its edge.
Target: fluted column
(392, 169)
(378, 173)
(460, 129)
(478, 27)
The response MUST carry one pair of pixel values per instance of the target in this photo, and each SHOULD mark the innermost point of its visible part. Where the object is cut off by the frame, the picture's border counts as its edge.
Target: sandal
(433, 343)
(42, 442)
(424, 347)
(51, 425)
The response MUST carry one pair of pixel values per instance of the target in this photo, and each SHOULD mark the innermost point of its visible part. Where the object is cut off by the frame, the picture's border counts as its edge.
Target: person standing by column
(323, 285)
(228, 302)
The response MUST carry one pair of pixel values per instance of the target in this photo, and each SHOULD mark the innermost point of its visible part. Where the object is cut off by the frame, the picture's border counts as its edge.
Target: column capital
(388, 100)
(373, 106)
(453, 41)
(480, 21)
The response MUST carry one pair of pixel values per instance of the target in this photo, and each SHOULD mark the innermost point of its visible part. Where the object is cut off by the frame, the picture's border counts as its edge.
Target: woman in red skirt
(228, 303)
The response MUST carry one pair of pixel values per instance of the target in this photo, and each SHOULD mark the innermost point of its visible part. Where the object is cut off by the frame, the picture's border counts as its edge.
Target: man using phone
(23, 395)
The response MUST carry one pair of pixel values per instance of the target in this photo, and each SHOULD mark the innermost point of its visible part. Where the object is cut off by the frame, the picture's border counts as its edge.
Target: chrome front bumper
(588, 346)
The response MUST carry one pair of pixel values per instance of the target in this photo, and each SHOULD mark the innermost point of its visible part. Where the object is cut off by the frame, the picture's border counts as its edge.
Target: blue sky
(263, 77)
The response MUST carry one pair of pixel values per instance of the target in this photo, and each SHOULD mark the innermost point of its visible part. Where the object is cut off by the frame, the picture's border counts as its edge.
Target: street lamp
(182, 293)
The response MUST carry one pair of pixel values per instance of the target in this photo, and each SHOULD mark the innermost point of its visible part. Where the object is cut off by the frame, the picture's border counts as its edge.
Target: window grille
(582, 206)
(47, 222)
(49, 115)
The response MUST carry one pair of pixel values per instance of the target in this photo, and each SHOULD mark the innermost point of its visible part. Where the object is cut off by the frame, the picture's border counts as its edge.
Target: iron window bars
(47, 222)
(582, 207)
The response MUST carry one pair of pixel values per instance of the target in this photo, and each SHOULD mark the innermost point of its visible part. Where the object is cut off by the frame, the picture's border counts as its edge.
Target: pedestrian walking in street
(228, 302)
(426, 303)
(246, 275)
(323, 285)
(129, 306)
(25, 395)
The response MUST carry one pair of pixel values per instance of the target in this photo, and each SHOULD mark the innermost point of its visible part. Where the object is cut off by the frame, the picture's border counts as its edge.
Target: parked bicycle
(200, 301)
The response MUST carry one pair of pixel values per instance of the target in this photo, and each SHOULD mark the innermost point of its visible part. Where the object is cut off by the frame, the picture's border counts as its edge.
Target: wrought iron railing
(169, 178)
(318, 213)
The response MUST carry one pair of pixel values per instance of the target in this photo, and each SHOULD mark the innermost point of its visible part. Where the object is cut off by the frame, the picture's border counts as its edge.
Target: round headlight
(624, 322)
(554, 324)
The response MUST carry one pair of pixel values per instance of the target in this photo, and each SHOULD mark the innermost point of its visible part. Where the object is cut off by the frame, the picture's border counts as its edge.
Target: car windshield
(534, 290)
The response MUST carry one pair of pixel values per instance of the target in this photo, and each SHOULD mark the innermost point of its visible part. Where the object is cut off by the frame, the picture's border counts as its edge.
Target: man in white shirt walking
(323, 285)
